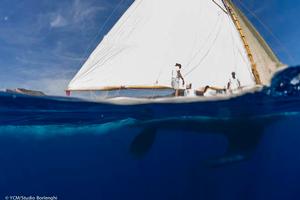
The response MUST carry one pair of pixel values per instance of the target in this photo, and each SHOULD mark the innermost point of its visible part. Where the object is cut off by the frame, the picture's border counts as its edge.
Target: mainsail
(141, 49)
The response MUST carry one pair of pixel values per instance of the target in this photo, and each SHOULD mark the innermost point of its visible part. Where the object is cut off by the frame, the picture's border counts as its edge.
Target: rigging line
(103, 61)
(206, 40)
(220, 7)
(199, 51)
(85, 55)
(108, 51)
(268, 29)
(124, 34)
(130, 12)
(101, 30)
(159, 75)
(234, 46)
(197, 34)
(193, 56)
(207, 53)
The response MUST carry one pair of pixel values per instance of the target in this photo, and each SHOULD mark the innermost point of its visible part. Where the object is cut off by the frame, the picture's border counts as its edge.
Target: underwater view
(246, 147)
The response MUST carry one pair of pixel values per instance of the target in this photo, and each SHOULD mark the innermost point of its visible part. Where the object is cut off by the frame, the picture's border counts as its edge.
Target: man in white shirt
(234, 84)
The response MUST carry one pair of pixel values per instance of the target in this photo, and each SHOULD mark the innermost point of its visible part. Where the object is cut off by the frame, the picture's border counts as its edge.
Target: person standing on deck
(234, 84)
(178, 79)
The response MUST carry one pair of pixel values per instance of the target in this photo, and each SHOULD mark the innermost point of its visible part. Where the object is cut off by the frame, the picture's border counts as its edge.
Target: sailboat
(209, 38)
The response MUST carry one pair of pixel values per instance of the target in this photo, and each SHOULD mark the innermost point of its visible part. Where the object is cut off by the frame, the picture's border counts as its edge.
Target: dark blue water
(244, 148)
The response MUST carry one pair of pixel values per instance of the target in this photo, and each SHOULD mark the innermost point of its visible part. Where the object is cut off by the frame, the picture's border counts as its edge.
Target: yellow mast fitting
(247, 47)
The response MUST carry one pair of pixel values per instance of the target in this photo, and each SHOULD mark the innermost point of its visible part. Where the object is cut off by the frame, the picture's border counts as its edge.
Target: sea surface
(247, 147)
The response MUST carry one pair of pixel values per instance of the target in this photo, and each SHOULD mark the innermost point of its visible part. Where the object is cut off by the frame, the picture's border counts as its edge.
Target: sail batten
(141, 49)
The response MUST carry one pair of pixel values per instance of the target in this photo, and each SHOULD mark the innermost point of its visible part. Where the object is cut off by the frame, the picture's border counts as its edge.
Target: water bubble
(296, 80)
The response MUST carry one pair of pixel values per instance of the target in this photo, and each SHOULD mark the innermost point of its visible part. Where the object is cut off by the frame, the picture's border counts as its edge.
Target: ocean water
(243, 148)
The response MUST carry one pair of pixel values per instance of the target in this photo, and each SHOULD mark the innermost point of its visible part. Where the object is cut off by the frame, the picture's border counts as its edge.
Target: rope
(205, 41)
(86, 54)
(206, 54)
(131, 10)
(220, 7)
(107, 52)
(234, 46)
(269, 30)
(193, 57)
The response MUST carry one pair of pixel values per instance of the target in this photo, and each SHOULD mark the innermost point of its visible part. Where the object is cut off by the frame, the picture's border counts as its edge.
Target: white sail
(142, 48)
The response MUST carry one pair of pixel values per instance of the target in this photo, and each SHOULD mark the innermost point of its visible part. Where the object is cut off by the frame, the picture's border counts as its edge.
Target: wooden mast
(245, 42)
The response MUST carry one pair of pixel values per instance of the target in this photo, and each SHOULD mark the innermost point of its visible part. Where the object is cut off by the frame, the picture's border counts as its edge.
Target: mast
(245, 42)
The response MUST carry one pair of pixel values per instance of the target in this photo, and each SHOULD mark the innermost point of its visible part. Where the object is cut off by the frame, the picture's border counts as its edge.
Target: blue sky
(43, 43)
